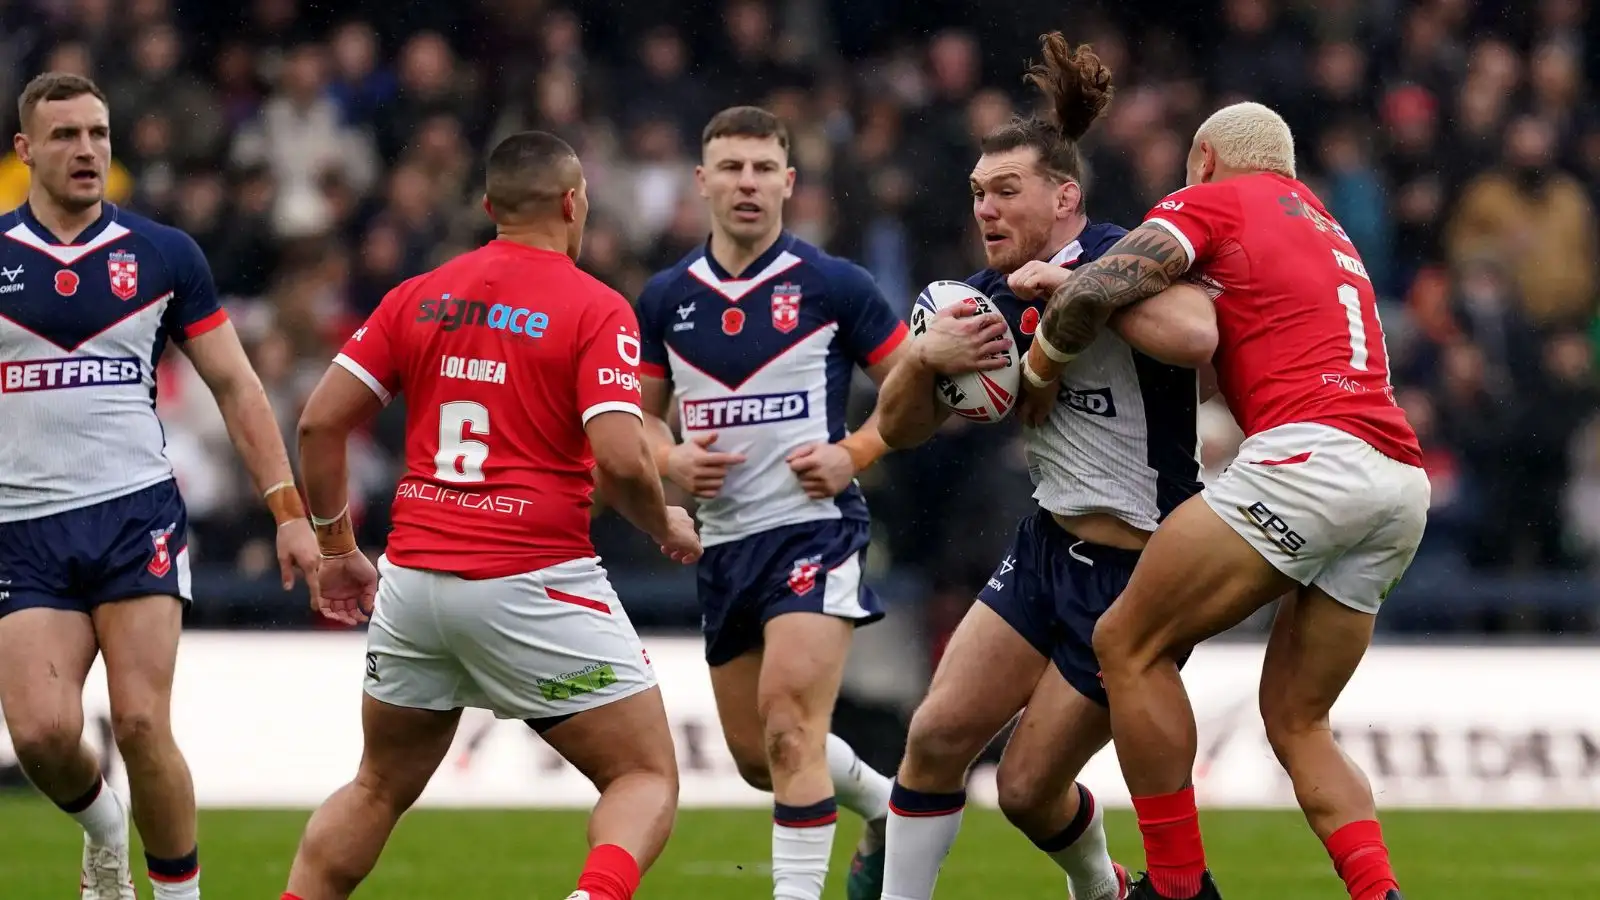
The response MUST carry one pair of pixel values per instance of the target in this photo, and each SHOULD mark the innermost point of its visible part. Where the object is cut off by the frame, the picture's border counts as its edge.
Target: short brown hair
(745, 121)
(1078, 87)
(54, 86)
(529, 169)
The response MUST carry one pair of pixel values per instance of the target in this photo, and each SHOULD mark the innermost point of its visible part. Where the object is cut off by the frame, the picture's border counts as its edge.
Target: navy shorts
(810, 567)
(1052, 588)
(126, 547)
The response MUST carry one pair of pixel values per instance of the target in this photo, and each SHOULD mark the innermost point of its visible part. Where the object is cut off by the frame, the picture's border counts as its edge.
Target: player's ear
(19, 143)
(1069, 199)
(700, 181)
(569, 205)
(487, 206)
(788, 182)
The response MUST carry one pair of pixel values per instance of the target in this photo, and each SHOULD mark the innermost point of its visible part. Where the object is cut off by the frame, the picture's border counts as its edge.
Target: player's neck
(1068, 232)
(64, 224)
(531, 236)
(735, 256)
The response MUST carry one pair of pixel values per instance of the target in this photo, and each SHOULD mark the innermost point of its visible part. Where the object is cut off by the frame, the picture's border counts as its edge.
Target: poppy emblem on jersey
(785, 307)
(161, 560)
(1030, 320)
(66, 282)
(803, 577)
(124, 269)
(732, 321)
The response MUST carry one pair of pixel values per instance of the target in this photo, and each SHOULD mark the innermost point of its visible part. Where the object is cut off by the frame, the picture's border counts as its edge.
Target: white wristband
(1031, 375)
(319, 522)
(1055, 355)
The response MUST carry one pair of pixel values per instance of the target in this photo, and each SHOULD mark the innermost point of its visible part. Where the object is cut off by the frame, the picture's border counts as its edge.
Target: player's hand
(958, 341)
(1035, 404)
(297, 549)
(681, 542)
(348, 585)
(1037, 279)
(824, 469)
(695, 467)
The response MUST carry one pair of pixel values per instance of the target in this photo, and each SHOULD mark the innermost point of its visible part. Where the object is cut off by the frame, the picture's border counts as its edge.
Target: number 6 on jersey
(460, 459)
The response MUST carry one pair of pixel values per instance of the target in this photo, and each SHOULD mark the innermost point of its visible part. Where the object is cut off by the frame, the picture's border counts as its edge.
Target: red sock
(1362, 860)
(288, 896)
(1172, 848)
(610, 873)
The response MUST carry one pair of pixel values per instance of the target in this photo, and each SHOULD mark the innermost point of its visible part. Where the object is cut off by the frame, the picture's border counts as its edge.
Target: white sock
(860, 789)
(800, 850)
(1085, 858)
(177, 890)
(105, 819)
(922, 829)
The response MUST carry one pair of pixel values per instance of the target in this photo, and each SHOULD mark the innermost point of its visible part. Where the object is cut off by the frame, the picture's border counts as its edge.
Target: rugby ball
(984, 397)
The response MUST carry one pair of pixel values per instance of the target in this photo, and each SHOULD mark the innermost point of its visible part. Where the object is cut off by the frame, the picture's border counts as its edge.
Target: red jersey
(503, 355)
(1299, 338)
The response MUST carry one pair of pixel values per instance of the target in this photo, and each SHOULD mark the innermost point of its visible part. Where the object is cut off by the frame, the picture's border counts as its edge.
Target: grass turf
(722, 855)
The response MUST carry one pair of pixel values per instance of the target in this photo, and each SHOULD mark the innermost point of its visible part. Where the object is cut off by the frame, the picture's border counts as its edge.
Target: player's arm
(212, 345)
(908, 413)
(1177, 326)
(626, 473)
(339, 405)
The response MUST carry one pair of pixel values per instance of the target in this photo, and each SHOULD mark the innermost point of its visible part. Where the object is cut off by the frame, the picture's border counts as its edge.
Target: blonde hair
(1250, 137)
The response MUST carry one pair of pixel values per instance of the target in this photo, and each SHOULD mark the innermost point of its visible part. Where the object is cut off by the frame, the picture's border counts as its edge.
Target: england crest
(124, 270)
(785, 307)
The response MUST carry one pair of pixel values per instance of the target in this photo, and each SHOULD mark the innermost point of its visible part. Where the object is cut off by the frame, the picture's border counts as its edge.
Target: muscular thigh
(1316, 644)
(803, 663)
(401, 748)
(735, 685)
(45, 657)
(985, 676)
(621, 738)
(138, 637)
(1059, 732)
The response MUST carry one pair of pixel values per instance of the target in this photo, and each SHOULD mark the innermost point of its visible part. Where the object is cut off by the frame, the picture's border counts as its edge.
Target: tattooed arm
(1144, 263)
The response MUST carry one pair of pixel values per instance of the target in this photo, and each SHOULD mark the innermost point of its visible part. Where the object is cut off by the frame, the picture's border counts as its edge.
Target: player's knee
(1021, 795)
(1120, 644)
(1290, 725)
(46, 740)
(791, 740)
(139, 730)
(940, 743)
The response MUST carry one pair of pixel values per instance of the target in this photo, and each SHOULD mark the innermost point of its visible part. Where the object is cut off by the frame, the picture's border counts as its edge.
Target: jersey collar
(25, 216)
(783, 243)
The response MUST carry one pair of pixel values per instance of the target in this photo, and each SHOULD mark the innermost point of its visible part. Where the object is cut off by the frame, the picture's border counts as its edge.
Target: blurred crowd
(320, 153)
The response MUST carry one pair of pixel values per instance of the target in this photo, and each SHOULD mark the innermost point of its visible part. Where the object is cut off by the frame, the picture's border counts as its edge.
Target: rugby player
(94, 556)
(1116, 454)
(520, 377)
(1326, 501)
(752, 340)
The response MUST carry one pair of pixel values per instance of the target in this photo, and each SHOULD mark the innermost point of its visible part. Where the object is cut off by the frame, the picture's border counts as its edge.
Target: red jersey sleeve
(371, 353)
(1202, 217)
(608, 359)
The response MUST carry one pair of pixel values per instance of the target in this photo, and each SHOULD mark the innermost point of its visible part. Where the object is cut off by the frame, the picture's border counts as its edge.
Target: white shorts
(539, 645)
(1326, 508)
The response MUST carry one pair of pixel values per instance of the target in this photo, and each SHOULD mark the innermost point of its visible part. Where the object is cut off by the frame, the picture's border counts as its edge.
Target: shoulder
(987, 280)
(174, 245)
(661, 286)
(844, 279)
(1099, 237)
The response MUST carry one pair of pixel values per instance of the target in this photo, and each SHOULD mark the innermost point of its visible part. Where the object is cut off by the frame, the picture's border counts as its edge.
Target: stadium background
(321, 152)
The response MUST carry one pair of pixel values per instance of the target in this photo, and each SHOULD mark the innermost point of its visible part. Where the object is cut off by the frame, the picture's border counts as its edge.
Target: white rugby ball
(984, 397)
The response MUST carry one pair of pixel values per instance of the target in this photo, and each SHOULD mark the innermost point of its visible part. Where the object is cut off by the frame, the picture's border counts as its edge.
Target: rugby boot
(1144, 890)
(866, 867)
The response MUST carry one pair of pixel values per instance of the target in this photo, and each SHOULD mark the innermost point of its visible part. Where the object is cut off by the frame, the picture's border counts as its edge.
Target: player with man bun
(1115, 456)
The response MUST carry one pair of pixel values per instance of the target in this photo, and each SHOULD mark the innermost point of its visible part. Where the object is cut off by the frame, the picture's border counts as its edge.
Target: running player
(752, 339)
(94, 556)
(520, 375)
(1326, 500)
(1116, 455)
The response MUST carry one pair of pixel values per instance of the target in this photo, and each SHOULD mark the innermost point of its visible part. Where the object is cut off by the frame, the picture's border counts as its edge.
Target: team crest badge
(161, 559)
(785, 307)
(124, 270)
(66, 282)
(1030, 320)
(803, 577)
(732, 321)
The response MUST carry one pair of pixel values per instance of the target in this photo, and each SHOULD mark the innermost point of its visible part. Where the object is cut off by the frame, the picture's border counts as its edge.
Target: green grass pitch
(722, 855)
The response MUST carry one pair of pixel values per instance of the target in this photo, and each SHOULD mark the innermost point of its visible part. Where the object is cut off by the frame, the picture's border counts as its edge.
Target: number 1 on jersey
(1350, 297)
(460, 459)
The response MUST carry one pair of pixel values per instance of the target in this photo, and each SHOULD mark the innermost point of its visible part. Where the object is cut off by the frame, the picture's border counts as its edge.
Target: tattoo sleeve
(1144, 263)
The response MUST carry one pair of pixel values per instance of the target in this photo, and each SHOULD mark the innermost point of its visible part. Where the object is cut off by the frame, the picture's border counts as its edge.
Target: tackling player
(752, 339)
(520, 375)
(1326, 500)
(94, 556)
(1115, 456)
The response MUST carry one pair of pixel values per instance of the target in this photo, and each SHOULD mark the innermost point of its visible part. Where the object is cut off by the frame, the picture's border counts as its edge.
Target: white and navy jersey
(764, 359)
(1122, 439)
(82, 326)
